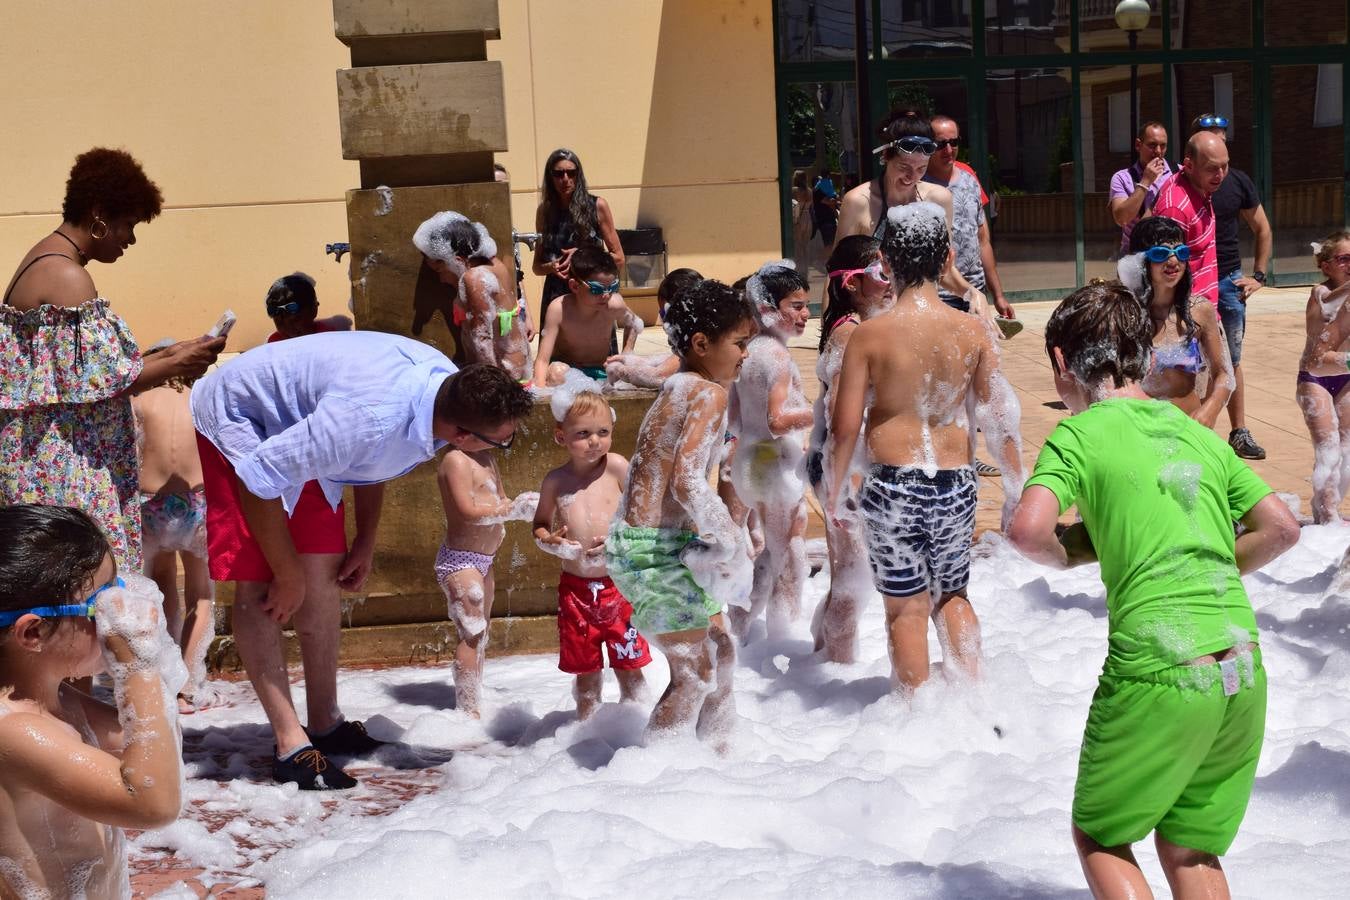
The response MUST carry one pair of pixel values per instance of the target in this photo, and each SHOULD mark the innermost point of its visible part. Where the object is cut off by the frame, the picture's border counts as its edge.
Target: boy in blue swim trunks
(579, 326)
(674, 550)
(1176, 725)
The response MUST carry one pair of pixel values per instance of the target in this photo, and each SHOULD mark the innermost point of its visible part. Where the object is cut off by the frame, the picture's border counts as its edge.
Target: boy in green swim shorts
(674, 550)
(1176, 725)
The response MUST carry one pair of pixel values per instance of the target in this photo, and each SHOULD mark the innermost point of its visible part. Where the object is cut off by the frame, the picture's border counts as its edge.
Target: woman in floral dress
(69, 364)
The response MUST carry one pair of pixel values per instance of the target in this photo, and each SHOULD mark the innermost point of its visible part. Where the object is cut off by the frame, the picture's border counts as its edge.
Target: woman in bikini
(909, 144)
(1187, 336)
(1323, 373)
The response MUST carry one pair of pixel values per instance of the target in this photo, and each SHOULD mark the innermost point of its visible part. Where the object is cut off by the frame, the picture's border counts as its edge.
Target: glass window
(1022, 27)
(1328, 109)
(925, 28)
(1108, 146)
(1291, 23)
(823, 154)
(1203, 24)
(814, 31)
(1307, 169)
(1221, 89)
(1031, 177)
(1097, 28)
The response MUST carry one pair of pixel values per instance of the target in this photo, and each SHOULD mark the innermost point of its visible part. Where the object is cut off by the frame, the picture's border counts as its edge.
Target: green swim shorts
(1172, 751)
(645, 565)
(595, 372)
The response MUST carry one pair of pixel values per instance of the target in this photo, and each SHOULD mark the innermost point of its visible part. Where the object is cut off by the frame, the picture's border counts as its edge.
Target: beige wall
(232, 109)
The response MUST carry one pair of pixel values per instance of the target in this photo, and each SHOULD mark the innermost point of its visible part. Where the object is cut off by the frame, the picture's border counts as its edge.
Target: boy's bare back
(490, 291)
(471, 489)
(922, 359)
(677, 443)
(169, 461)
(586, 506)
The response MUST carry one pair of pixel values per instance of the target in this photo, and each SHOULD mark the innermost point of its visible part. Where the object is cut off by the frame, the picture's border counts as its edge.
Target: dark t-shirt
(1235, 193)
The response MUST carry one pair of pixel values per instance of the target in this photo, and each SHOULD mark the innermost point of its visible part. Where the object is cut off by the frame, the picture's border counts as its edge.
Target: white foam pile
(833, 786)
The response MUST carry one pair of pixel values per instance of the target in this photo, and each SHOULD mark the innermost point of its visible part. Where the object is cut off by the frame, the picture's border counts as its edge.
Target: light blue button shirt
(351, 407)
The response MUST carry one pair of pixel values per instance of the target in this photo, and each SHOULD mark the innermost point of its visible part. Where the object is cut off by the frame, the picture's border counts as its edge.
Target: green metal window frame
(973, 69)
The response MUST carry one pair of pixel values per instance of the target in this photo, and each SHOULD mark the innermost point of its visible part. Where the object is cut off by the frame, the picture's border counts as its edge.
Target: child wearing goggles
(579, 325)
(77, 770)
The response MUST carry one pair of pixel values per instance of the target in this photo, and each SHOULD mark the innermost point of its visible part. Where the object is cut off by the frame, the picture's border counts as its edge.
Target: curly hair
(48, 554)
(112, 182)
(1103, 332)
(1327, 248)
(481, 396)
(707, 307)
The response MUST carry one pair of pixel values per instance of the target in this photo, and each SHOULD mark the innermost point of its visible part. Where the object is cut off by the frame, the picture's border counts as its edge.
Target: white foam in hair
(431, 238)
(754, 285)
(487, 247)
(565, 394)
(1133, 273)
(917, 215)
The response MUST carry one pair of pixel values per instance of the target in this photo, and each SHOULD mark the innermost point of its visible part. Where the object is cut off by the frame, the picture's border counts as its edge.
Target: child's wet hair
(1103, 333)
(772, 284)
(48, 554)
(587, 402)
(856, 251)
(296, 287)
(1151, 232)
(707, 307)
(449, 234)
(673, 283)
(916, 244)
(1327, 249)
(481, 396)
(589, 261)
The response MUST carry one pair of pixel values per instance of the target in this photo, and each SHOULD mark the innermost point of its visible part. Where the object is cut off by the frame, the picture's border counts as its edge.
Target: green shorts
(1170, 751)
(595, 372)
(645, 565)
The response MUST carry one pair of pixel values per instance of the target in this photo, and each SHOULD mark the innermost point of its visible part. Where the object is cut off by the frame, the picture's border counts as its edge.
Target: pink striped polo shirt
(1181, 200)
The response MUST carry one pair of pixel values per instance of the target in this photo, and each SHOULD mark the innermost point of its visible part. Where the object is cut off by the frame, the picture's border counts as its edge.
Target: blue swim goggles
(82, 609)
(598, 289)
(1161, 254)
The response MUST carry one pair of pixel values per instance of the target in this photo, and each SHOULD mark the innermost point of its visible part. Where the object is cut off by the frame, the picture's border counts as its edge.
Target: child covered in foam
(651, 371)
(579, 326)
(577, 503)
(1323, 373)
(674, 550)
(173, 529)
(77, 771)
(859, 289)
(769, 419)
(476, 508)
(927, 368)
(1174, 734)
(493, 324)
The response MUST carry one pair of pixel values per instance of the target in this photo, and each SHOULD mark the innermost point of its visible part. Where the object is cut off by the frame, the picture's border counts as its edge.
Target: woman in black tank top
(568, 217)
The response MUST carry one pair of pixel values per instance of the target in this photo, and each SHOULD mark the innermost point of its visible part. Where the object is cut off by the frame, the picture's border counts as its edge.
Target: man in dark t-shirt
(1237, 199)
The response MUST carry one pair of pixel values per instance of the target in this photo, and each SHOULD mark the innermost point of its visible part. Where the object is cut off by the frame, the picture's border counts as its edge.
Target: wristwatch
(1259, 276)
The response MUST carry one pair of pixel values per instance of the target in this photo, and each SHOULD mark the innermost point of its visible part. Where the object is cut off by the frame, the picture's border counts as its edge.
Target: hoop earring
(97, 222)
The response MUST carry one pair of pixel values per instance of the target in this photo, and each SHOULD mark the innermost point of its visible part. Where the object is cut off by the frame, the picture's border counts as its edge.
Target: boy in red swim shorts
(576, 503)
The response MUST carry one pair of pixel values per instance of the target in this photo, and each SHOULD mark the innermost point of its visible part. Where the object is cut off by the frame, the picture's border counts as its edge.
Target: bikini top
(879, 230)
(1184, 356)
(506, 318)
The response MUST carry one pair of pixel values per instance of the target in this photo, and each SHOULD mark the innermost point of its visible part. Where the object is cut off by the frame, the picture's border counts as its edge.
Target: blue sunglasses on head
(289, 309)
(599, 290)
(81, 609)
(1213, 122)
(1161, 254)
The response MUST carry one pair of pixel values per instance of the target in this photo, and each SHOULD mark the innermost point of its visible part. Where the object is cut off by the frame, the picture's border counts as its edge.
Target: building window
(1119, 139)
(1327, 111)
(1223, 100)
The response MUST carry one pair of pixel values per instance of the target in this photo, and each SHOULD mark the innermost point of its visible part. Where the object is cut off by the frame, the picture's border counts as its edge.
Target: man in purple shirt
(352, 408)
(1134, 189)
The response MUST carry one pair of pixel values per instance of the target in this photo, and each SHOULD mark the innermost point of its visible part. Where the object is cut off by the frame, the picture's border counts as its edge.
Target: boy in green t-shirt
(1175, 729)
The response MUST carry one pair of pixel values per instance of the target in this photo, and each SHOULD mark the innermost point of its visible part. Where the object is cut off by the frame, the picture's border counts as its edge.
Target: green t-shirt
(1158, 493)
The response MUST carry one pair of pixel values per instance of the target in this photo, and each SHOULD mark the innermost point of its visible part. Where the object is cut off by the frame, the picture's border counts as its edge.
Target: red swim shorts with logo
(591, 613)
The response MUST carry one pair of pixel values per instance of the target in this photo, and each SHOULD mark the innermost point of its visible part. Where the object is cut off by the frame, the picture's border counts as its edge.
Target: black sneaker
(1244, 445)
(347, 739)
(310, 769)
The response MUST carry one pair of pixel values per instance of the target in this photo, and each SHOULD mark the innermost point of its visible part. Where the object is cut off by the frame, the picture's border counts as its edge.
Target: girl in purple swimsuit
(1323, 372)
(1187, 336)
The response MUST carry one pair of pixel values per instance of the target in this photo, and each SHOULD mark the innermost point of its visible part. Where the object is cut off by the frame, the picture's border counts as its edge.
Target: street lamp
(1132, 17)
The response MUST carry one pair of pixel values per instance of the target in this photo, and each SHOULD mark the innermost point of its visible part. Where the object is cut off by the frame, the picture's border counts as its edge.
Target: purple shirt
(1122, 185)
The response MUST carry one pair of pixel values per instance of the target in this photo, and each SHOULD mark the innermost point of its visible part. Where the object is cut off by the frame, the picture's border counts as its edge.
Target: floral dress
(67, 435)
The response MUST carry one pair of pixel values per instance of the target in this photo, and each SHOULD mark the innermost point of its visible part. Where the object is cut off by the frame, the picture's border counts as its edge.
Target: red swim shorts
(232, 552)
(591, 613)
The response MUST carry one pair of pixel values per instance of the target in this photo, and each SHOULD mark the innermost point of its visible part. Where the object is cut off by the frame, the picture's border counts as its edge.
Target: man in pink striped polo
(1187, 199)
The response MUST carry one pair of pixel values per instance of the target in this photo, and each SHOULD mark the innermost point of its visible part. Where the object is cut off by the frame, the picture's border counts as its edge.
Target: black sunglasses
(564, 173)
(500, 445)
(948, 142)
